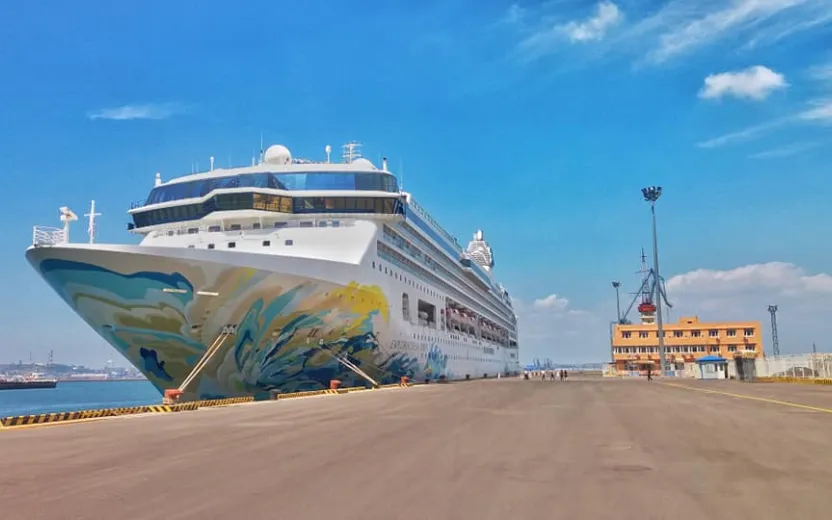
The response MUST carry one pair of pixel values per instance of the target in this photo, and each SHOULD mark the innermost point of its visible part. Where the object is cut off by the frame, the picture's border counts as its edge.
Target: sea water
(78, 395)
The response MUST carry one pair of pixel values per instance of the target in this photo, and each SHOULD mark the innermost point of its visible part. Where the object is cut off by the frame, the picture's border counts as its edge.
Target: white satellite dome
(277, 154)
(361, 162)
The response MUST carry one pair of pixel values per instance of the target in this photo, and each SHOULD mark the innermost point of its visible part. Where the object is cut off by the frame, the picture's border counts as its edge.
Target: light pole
(616, 285)
(651, 195)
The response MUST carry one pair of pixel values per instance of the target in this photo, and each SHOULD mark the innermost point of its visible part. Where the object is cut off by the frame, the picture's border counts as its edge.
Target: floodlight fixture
(652, 193)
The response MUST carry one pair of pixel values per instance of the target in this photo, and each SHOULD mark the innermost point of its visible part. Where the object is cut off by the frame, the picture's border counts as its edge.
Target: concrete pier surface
(589, 448)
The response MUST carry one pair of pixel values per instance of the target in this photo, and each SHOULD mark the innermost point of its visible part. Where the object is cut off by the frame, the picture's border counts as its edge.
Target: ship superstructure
(283, 275)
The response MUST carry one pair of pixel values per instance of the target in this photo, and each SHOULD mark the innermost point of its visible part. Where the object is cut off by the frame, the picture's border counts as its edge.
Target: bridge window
(264, 202)
(330, 181)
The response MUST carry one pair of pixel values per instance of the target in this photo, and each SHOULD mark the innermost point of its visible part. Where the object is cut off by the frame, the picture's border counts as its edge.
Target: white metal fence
(47, 236)
(809, 366)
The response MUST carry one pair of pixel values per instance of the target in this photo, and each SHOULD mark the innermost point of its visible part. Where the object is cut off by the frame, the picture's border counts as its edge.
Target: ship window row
(261, 227)
(402, 262)
(396, 239)
(404, 229)
(405, 263)
(265, 202)
(350, 181)
(447, 242)
(447, 274)
(452, 318)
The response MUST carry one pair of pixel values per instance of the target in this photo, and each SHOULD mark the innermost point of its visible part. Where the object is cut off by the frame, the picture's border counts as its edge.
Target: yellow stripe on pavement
(752, 398)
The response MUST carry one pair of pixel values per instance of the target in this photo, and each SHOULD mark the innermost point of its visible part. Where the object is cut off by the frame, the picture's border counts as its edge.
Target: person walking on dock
(649, 373)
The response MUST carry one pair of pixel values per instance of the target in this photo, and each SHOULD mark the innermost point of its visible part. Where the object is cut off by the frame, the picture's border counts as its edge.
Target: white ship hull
(287, 317)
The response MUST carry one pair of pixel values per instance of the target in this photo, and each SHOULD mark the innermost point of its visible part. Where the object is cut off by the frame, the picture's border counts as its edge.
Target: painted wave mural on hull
(284, 331)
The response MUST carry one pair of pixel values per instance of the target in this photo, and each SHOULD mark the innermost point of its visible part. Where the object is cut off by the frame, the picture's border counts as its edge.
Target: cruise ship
(283, 275)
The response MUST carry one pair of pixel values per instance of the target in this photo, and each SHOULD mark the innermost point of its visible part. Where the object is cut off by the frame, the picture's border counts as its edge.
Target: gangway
(206, 357)
(343, 359)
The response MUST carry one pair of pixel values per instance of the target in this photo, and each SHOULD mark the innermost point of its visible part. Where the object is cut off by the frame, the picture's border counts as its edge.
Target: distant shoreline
(92, 380)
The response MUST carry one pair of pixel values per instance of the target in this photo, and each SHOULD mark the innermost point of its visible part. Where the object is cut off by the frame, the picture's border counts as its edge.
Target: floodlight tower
(775, 342)
(651, 194)
(615, 285)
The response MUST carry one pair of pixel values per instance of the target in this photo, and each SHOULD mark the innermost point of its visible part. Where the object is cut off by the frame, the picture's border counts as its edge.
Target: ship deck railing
(47, 236)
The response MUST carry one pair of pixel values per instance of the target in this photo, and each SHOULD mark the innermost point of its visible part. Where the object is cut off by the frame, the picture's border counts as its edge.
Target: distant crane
(647, 307)
(775, 342)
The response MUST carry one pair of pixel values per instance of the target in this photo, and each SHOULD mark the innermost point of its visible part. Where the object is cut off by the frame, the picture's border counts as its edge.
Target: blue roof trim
(712, 359)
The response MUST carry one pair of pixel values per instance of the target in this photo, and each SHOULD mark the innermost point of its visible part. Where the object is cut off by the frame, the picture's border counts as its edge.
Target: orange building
(636, 346)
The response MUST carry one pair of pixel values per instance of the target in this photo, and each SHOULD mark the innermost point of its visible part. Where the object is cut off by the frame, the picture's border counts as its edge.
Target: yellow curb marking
(752, 398)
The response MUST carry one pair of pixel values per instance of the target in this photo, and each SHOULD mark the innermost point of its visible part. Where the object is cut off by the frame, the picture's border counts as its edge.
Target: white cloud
(776, 278)
(549, 35)
(550, 328)
(553, 301)
(683, 26)
(788, 150)
(138, 111)
(754, 83)
(820, 113)
(821, 72)
(747, 134)
(514, 14)
(674, 29)
(554, 330)
(594, 28)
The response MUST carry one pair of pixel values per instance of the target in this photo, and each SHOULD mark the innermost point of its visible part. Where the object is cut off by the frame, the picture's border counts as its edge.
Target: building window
(695, 333)
(748, 333)
(713, 333)
(732, 348)
(235, 227)
(642, 334)
(213, 229)
(732, 333)
(751, 347)
(256, 225)
(677, 334)
(210, 246)
(715, 349)
(267, 243)
(193, 231)
(232, 245)
(289, 242)
(626, 334)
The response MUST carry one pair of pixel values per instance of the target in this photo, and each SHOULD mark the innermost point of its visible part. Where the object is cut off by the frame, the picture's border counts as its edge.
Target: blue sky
(537, 121)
